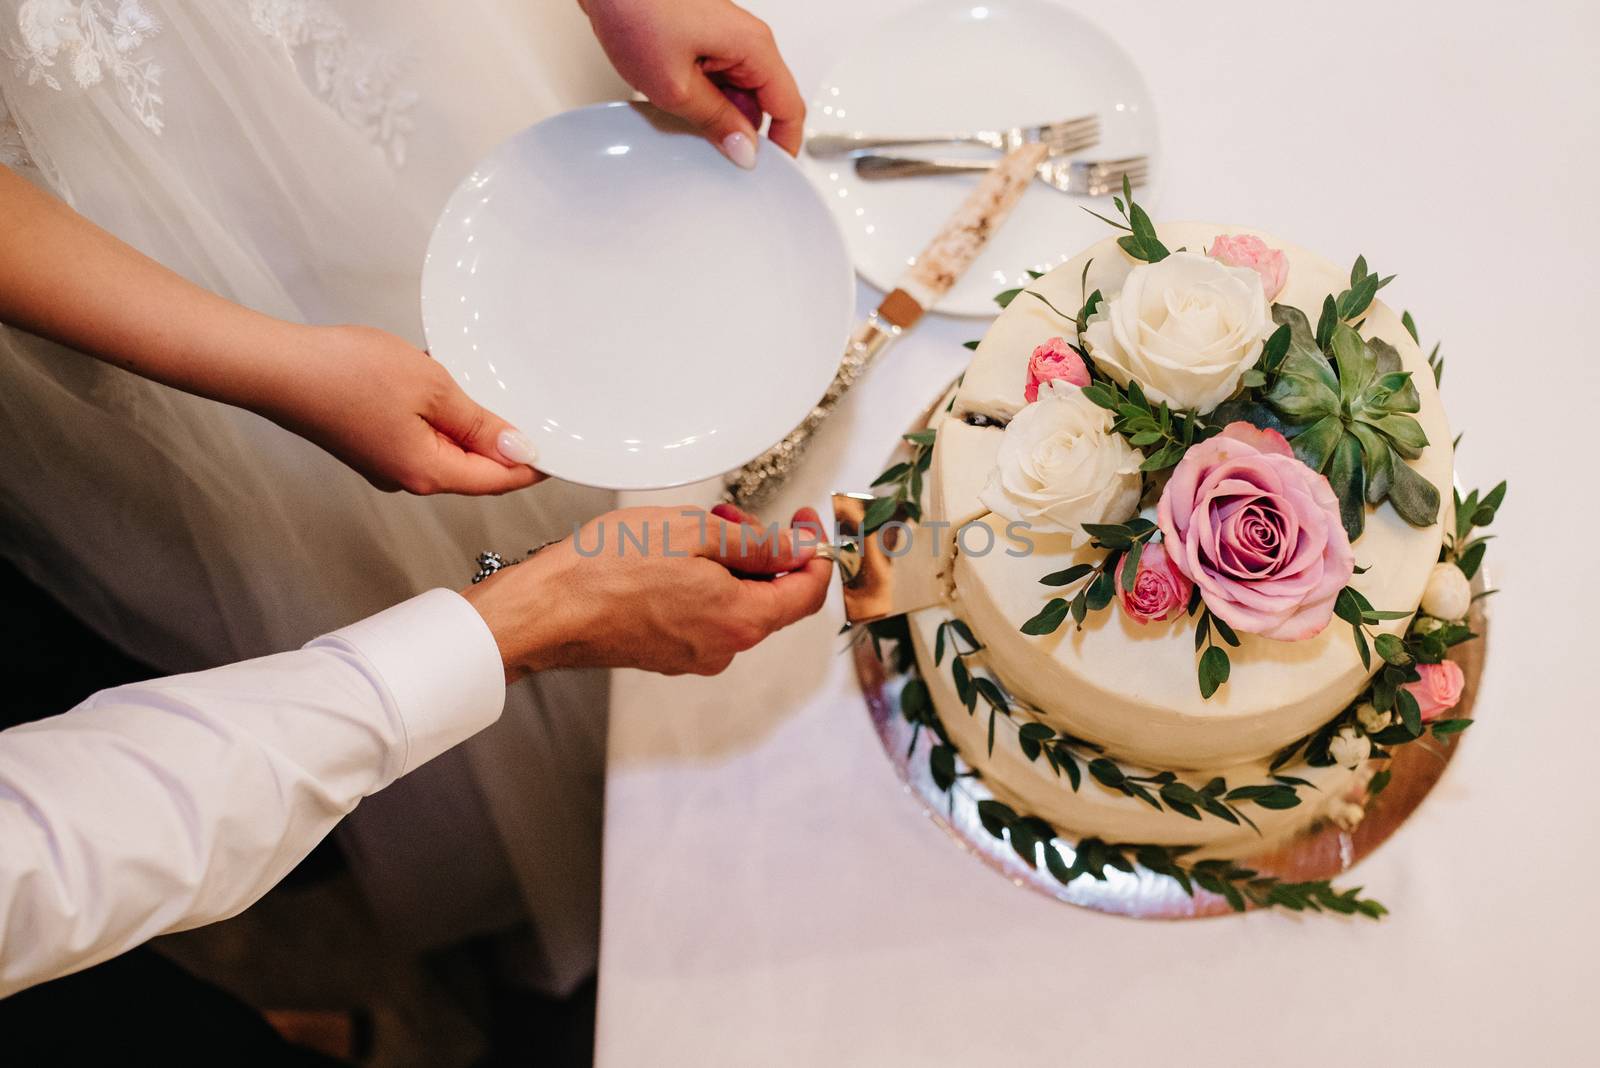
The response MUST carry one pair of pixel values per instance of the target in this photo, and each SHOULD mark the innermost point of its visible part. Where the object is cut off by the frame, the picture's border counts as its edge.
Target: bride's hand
(386, 409)
(709, 62)
(368, 397)
(700, 589)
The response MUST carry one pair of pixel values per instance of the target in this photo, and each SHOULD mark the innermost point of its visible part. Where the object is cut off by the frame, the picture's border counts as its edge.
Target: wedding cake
(1200, 559)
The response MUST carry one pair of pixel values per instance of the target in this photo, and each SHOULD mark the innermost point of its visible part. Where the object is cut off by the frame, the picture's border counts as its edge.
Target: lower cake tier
(1038, 786)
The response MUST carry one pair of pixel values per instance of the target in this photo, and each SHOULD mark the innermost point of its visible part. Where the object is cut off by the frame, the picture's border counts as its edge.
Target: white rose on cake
(1348, 748)
(1186, 328)
(1060, 466)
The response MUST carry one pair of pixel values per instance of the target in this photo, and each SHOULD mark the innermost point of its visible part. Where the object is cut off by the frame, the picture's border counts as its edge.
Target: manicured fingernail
(728, 512)
(739, 148)
(515, 446)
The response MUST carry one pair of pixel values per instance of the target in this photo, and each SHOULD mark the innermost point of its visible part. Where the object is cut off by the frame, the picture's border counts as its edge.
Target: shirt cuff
(441, 665)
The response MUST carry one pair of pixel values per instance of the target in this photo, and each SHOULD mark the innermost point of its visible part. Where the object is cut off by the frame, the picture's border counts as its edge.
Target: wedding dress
(291, 155)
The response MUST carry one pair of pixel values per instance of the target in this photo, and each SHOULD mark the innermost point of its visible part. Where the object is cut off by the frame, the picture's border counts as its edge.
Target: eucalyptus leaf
(995, 816)
(1107, 773)
(1101, 590)
(1326, 322)
(891, 474)
(1067, 576)
(1102, 394)
(942, 763)
(1130, 566)
(879, 512)
(1392, 649)
(1049, 618)
(1484, 514)
(1410, 712)
(1214, 669)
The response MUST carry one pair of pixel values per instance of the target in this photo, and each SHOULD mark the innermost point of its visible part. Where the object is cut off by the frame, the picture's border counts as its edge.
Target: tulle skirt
(291, 155)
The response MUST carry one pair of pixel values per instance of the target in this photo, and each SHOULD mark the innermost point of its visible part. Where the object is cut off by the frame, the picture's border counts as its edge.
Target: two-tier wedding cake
(1201, 561)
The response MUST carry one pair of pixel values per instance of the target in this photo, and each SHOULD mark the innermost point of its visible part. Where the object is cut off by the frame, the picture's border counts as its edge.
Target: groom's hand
(662, 589)
(710, 63)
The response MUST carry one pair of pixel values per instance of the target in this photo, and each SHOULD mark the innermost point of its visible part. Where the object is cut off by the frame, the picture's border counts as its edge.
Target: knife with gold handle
(945, 259)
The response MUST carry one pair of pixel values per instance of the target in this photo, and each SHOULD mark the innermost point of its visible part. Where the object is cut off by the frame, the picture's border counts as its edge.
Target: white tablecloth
(774, 897)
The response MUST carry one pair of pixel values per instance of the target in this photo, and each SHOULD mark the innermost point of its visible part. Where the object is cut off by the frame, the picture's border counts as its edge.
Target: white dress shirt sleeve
(174, 803)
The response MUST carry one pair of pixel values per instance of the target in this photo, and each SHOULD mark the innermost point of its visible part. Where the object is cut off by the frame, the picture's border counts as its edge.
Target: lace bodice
(84, 45)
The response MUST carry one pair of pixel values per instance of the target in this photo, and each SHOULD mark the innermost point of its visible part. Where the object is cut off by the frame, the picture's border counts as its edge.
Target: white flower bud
(1348, 748)
(1372, 721)
(1346, 815)
(1426, 624)
(1448, 594)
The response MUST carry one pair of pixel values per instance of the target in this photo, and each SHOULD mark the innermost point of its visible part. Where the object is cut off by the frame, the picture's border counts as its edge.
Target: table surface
(774, 896)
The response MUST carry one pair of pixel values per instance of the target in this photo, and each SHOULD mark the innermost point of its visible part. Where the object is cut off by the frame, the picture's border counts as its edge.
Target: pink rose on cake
(1244, 250)
(1259, 532)
(1054, 361)
(1159, 591)
(1439, 689)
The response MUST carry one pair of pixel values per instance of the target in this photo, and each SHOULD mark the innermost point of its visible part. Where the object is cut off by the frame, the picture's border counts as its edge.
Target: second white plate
(959, 65)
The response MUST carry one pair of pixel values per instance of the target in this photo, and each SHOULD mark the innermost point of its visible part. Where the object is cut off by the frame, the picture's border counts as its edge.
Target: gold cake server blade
(889, 572)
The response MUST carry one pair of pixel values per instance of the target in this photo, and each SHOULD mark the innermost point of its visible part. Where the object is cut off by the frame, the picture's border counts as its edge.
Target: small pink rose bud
(1159, 591)
(1052, 361)
(1439, 689)
(1244, 250)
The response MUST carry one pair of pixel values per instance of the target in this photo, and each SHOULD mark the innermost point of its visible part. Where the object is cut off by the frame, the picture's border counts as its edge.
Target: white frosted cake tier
(1094, 809)
(1131, 688)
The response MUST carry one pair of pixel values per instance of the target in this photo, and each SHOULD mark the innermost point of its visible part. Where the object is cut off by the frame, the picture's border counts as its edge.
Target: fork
(1069, 135)
(1082, 177)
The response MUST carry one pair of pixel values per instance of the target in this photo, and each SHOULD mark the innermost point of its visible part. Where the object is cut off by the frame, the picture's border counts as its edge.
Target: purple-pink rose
(1439, 689)
(1245, 250)
(1159, 591)
(1053, 360)
(1258, 531)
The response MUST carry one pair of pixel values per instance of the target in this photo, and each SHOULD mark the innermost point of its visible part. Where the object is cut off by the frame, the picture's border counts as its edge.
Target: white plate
(949, 65)
(649, 314)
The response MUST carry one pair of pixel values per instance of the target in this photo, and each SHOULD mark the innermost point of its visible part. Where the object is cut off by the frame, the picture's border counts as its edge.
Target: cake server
(895, 569)
(945, 259)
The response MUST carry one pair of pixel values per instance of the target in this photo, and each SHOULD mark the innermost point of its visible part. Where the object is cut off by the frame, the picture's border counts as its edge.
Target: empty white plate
(953, 65)
(646, 312)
